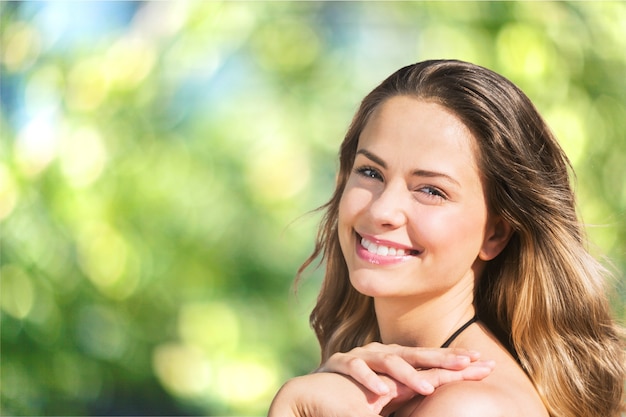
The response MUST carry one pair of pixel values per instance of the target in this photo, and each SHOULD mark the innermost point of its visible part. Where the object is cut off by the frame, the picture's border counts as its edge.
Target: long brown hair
(544, 295)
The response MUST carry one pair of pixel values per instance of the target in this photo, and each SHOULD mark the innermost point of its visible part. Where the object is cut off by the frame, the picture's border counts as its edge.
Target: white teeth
(373, 247)
(380, 249)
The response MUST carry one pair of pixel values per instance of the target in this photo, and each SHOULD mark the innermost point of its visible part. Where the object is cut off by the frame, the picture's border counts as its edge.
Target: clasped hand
(375, 379)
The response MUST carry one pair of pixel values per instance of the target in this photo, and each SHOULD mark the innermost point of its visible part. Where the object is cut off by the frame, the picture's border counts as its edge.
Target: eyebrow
(418, 172)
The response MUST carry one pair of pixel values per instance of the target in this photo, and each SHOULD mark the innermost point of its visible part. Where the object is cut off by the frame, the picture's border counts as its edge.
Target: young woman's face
(413, 217)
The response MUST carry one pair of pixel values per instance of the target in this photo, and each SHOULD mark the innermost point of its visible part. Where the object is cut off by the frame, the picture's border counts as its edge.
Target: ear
(498, 233)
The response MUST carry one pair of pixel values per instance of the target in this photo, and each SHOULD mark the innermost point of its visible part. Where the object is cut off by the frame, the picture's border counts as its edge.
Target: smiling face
(413, 219)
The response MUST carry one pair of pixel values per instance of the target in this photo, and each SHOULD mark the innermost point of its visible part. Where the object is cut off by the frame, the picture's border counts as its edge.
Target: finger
(478, 370)
(365, 367)
(401, 371)
(398, 395)
(454, 359)
(447, 358)
(398, 349)
(424, 382)
(399, 362)
(438, 377)
(359, 370)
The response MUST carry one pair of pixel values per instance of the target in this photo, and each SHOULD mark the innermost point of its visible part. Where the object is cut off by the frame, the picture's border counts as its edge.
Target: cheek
(343, 210)
(345, 221)
(353, 201)
(454, 231)
(345, 216)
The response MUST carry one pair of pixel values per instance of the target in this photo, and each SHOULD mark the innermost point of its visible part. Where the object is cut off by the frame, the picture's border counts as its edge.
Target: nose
(388, 208)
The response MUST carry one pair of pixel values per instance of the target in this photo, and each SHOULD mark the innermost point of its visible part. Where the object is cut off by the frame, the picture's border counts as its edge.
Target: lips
(386, 250)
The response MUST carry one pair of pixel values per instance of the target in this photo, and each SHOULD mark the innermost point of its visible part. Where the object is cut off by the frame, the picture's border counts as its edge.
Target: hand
(419, 369)
(328, 395)
(348, 383)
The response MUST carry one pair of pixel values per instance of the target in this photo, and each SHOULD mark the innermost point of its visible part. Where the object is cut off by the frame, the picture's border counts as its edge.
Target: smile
(383, 250)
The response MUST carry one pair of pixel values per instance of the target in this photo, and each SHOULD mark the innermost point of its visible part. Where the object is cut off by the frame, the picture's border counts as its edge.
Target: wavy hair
(544, 295)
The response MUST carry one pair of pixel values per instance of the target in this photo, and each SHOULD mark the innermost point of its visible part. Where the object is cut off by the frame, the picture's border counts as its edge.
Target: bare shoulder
(506, 392)
(487, 398)
(464, 399)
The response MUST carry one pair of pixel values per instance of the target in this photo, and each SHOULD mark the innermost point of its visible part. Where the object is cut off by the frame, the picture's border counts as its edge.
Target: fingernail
(463, 359)
(382, 388)
(426, 388)
(487, 364)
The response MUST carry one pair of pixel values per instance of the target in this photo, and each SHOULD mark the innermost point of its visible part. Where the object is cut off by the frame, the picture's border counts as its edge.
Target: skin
(418, 369)
(416, 186)
(334, 392)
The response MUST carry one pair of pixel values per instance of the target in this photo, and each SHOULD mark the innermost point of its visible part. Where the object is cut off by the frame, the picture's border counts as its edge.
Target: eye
(369, 172)
(432, 193)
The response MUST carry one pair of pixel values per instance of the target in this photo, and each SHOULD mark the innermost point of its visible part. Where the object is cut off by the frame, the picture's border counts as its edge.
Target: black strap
(459, 331)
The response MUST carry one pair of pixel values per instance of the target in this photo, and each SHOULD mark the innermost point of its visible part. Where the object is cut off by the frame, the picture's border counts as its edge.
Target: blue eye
(433, 192)
(369, 172)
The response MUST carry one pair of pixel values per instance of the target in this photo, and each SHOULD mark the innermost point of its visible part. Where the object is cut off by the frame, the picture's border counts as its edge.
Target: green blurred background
(159, 161)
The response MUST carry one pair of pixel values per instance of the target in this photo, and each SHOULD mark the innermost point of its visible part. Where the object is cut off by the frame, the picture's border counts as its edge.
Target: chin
(372, 287)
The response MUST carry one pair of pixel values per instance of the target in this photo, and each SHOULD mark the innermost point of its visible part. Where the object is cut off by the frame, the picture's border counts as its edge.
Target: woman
(453, 218)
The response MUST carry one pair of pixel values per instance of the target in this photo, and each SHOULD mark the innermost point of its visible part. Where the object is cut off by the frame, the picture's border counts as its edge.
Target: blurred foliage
(159, 159)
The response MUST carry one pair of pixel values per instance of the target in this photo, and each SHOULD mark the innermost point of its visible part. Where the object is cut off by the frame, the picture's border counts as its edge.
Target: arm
(325, 395)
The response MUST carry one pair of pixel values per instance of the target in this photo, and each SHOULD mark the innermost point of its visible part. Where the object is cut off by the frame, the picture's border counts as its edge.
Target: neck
(422, 323)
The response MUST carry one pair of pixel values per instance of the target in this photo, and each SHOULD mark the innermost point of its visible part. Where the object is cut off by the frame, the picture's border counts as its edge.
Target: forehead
(411, 123)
